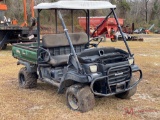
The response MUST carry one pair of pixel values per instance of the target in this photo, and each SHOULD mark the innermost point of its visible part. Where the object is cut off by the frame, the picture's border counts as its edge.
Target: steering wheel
(44, 55)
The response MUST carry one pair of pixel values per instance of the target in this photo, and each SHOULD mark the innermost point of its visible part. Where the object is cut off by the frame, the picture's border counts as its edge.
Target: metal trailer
(11, 32)
(10, 35)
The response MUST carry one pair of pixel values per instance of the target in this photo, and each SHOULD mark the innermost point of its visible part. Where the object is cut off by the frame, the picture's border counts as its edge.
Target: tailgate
(26, 52)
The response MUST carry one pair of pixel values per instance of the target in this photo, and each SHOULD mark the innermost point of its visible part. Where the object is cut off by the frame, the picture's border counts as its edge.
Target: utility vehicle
(75, 64)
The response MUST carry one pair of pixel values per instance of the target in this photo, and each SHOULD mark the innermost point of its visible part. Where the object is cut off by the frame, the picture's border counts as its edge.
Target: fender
(71, 78)
(30, 67)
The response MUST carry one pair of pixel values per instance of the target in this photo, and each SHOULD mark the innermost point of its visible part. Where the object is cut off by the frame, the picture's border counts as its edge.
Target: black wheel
(113, 39)
(26, 79)
(80, 98)
(128, 94)
(4, 47)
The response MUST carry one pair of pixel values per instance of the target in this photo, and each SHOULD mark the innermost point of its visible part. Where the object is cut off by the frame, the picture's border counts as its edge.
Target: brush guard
(115, 84)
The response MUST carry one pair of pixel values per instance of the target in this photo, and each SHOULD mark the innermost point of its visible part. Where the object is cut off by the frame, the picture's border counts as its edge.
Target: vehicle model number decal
(117, 74)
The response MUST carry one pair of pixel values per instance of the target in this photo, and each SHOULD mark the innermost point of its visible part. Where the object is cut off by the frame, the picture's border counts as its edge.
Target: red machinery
(107, 28)
(25, 11)
(3, 6)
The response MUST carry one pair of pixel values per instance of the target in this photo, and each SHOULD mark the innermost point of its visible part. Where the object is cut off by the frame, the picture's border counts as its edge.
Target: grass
(43, 102)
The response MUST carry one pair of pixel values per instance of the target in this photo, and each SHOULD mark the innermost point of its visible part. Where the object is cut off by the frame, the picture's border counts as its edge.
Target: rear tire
(80, 98)
(26, 79)
(129, 93)
(113, 40)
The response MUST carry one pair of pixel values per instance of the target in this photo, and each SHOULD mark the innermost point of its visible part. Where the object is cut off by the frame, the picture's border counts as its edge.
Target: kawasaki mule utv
(74, 63)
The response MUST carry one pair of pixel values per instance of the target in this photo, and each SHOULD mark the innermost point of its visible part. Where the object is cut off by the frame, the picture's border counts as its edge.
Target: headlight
(2, 21)
(131, 61)
(93, 68)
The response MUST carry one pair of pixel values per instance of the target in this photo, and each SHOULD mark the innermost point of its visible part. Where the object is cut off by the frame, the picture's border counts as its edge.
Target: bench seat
(59, 48)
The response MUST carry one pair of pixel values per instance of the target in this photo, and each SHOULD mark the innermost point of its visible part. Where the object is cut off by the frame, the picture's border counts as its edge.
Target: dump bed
(26, 52)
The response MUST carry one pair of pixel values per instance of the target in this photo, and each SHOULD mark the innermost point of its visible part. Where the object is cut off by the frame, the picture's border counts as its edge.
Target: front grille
(116, 79)
(119, 74)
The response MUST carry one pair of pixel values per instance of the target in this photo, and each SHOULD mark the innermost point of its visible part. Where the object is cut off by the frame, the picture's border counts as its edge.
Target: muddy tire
(4, 47)
(80, 98)
(26, 79)
(128, 94)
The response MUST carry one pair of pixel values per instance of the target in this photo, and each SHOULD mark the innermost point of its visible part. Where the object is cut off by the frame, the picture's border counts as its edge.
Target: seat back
(58, 43)
(58, 40)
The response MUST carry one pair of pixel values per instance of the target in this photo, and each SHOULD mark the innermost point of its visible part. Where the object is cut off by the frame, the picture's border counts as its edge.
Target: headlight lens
(93, 68)
(131, 61)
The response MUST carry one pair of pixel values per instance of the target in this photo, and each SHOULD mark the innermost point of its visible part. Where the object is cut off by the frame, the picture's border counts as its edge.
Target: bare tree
(124, 7)
(137, 11)
(146, 5)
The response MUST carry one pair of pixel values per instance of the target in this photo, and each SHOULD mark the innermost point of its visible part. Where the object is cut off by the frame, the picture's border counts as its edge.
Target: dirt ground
(43, 102)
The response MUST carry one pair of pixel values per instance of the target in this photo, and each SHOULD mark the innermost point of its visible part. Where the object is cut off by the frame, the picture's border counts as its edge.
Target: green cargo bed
(26, 52)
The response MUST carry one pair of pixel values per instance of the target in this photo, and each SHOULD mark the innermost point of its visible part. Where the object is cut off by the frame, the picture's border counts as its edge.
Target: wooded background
(143, 13)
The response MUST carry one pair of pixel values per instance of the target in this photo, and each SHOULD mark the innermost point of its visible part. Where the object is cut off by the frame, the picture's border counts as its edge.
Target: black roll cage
(87, 12)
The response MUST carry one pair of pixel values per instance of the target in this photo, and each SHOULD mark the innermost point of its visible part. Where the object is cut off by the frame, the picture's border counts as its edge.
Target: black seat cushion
(59, 60)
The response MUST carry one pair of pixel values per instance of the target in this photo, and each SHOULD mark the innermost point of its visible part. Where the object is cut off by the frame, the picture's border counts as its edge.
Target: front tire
(26, 79)
(80, 98)
(129, 93)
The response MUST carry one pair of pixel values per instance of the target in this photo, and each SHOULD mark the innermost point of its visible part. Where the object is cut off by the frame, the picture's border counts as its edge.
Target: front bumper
(116, 87)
